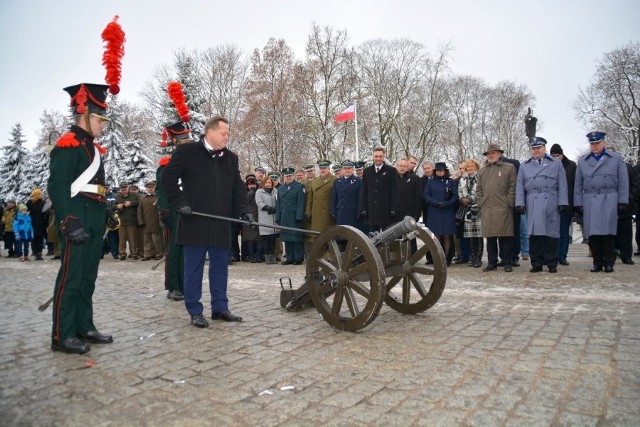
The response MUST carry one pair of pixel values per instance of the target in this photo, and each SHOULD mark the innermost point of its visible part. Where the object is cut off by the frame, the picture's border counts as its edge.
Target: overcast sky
(551, 46)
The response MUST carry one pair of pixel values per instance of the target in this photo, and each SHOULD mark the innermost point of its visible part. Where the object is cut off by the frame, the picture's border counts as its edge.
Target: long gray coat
(266, 199)
(542, 187)
(496, 191)
(600, 187)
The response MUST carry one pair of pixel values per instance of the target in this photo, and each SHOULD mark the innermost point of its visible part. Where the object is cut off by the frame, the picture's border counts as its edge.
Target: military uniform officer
(359, 168)
(317, 210)
(177, 133)
(150, 220)
(290, 205)
(601, 191)
(541, 190)
(127, 205)
(345, 197)
(337, 170)
(76, 189)
(310, 175)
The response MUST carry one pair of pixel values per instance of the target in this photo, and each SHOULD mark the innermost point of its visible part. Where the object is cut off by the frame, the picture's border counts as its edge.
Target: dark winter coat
(251, 232)
(211, 184)
(344, 200)
(600, 186)
(39, 220)
(442, 196)
(290, 203)
(409, 196)
(542, 187)
(379, 195)
(570, 172)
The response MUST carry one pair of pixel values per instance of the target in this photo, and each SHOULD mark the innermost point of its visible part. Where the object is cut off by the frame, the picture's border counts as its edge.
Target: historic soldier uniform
(76, 188)
(177, 133)
(541, 188)
(345, 198)
(317, 210)
(290, 204)
(601, 190)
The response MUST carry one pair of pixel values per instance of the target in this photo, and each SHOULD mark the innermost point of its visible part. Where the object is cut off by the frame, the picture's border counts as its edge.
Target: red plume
(113, 36)
(179, 100)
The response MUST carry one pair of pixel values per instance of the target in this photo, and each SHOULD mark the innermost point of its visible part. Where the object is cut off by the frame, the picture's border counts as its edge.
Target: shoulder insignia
(68, 140)
(164, 161)
(100, 148)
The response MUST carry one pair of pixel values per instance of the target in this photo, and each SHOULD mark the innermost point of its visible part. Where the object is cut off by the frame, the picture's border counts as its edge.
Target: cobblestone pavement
(498, 349)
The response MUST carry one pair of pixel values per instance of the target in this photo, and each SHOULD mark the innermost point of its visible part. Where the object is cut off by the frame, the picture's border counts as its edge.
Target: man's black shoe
(299, 262)
(563, 262)
(508, 268)
(637, 253)
(70, 345)
(608, 268)
(628, 261)
(490, 268)
(536, 269)
(199, 321)
(596, 269)
(175, 296)
(500, 264)
(226, 316)
(515, 263)
(287, 262)
(553, 269)
(95, 337)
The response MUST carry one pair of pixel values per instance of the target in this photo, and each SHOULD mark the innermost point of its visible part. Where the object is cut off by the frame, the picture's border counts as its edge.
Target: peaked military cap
(596, 136)
(308, 167)
(288, 171)
(360, 164)
(347, 163)
(537, 141)
(324, 163)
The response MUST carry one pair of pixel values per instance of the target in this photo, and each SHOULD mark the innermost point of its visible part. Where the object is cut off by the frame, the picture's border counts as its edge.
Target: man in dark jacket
(567, 216)
(636, 203)
(379, 193)
(211, 185)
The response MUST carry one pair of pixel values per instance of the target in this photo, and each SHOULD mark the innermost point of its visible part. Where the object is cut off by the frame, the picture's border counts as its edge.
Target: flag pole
(355, 112)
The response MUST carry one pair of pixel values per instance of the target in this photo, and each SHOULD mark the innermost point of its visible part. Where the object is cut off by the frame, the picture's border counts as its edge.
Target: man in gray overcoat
(541, 191)
(601, 191)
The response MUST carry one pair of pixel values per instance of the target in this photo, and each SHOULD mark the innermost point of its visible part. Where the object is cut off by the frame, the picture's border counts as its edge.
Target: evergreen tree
(114, 140)
(37, 172)
(13, 168)
(136, 167)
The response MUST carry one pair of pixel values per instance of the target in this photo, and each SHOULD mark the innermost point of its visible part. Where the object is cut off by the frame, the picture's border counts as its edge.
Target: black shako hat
(88, 97)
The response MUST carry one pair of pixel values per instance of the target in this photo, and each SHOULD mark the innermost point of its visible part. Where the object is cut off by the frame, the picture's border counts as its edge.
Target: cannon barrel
(407, 225)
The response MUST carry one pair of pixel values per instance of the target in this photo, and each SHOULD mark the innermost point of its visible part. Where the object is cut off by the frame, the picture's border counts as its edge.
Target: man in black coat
(211, 184)
(566, 217)
(635, 202)
(379, 193)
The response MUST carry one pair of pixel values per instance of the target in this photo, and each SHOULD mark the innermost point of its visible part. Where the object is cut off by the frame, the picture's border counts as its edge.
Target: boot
(39, 256)
(270, 259)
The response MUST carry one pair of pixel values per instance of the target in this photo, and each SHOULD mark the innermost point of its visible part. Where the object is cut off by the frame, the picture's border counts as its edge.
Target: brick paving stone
(497, 349)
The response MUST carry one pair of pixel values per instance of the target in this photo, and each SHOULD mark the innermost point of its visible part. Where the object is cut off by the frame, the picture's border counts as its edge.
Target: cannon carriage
(349, 275)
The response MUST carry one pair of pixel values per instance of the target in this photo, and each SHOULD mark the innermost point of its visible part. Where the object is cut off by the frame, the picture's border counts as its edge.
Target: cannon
(349, 275)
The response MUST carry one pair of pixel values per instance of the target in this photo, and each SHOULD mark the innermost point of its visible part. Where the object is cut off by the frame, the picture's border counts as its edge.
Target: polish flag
(348, 114)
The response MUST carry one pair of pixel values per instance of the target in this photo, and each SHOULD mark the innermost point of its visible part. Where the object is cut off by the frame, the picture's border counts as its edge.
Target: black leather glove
(247, 217)
(563, 209)
(521, 209)
(266, 208)
(622, 208)
(361, 215)
(272, 210)
(308, 218)
(578, 209)
(77, 236)
(185, 210)
(392, 214)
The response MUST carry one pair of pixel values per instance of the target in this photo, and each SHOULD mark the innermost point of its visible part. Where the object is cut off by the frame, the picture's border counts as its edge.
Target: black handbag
(461, 213)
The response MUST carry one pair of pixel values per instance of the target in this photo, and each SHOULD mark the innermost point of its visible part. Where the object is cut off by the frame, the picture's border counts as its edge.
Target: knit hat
(22, 207)
(36, 193)
(556, 149)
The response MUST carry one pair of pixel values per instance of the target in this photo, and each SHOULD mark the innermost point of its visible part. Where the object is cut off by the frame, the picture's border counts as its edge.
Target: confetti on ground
(267, 391)
(287, 387)
(89, 363)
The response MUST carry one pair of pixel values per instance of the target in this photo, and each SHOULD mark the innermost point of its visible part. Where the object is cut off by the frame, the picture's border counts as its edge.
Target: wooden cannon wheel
(337, 259)
(412, 286)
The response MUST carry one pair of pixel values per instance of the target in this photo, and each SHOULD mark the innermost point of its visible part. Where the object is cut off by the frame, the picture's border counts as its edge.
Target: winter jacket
(7, 218)
(344, 200)
(39, 220)
(442, 196)
(379, 195)
(496, 191)
(264, 198)
(318, 202)
(542, 187)
(22, 227)
(251, 232)
(148, 213)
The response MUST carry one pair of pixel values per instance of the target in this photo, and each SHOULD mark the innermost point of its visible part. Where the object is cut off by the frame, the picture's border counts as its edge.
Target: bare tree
(52, 125)
(612, 101)
(272, 116)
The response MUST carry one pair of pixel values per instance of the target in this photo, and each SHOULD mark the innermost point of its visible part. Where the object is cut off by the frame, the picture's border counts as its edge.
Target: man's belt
(93, 188)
